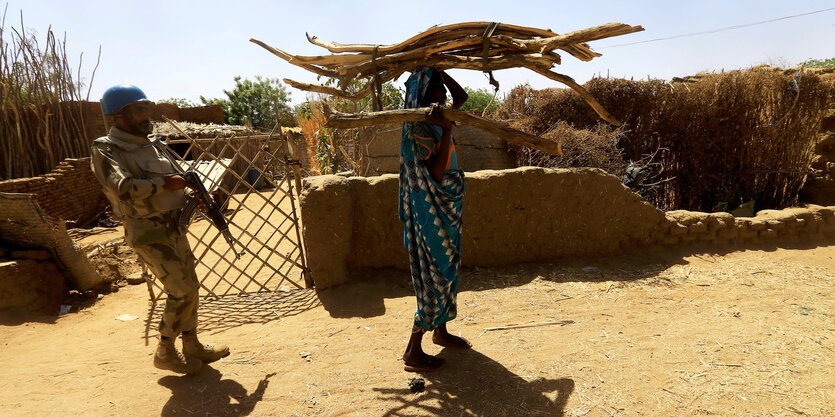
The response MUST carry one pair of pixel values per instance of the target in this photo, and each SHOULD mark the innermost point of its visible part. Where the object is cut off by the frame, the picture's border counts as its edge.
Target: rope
(722, 29)
(376, 90)
(485, 49)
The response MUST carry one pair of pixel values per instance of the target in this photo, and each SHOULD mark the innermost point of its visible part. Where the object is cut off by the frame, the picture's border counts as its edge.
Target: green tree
(180, 102)
(479, 99)
(391, 97)
(821, 63)
(258, 101)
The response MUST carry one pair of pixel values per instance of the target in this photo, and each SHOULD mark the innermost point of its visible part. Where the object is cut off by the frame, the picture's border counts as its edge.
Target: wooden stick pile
(461, 45)
(481, 46)
(41, 117)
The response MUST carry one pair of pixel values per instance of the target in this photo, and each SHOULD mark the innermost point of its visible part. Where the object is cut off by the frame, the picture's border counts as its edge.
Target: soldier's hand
(202, 207)
(175, 182)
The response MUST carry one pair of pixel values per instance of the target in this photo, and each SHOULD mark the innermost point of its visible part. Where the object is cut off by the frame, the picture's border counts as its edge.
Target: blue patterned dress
(431, 215)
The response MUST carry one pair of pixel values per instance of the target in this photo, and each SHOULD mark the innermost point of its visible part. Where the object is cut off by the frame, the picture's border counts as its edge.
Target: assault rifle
(200, 195)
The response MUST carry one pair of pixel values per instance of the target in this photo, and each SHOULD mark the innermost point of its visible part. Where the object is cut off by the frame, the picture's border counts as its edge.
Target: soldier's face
(135, 118)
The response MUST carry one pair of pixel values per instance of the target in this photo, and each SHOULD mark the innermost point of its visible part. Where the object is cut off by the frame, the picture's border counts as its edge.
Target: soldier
(148, 196)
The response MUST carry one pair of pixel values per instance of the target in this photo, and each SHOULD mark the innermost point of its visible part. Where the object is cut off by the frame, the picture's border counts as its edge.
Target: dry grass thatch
(596, 147)
(716, 132)
(200, 130)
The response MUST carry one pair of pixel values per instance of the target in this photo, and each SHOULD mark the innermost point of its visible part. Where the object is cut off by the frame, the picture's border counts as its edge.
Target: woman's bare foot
(422, 362)
(442, 337)
(416, 360)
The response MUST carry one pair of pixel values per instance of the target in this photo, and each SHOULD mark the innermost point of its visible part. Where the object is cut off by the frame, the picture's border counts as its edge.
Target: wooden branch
(453, 46)
(290, 58)
(350, 161)
(525, 326)
(475, 61)
(509, 134)
(586, 35)
(580, 90)
(338, 92)
(580, 51)
(468, 28)
(441, 62)
(325, 89)
(493, 63)
(333, 60)
(413, 55)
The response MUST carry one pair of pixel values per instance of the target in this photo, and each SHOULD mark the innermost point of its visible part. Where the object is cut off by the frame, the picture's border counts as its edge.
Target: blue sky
(191, 48)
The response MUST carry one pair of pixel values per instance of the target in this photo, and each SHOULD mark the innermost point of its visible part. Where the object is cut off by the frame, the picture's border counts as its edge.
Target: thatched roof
(198, 130)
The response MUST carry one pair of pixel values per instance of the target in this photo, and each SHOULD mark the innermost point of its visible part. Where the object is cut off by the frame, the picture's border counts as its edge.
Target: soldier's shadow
(471, 383)
(208, 394)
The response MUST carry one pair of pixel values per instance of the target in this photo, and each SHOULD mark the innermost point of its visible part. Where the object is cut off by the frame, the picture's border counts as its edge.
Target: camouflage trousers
(165, 250)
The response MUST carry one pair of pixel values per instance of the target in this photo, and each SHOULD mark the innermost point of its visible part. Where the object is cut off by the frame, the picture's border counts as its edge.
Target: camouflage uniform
(131, 172)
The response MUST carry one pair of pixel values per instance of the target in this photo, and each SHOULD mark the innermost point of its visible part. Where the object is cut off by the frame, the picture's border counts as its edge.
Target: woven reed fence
(41, 112)
(718, 138)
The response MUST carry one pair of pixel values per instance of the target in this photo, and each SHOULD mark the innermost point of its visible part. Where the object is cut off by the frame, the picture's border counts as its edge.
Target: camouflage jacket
(130, 170)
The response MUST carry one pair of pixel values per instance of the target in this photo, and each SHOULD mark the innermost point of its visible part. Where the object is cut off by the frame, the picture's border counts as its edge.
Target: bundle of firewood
(481, 46)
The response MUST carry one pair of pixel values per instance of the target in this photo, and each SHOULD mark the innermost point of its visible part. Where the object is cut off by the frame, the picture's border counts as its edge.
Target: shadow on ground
(471, 383)
(14, 318)
(365, 298)
(219, 314)
(208, 394)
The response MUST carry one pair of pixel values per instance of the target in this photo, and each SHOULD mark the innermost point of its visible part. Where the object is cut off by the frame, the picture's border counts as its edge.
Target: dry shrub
(597, 148)
(311, 121)
(717, 132)
(329, 150)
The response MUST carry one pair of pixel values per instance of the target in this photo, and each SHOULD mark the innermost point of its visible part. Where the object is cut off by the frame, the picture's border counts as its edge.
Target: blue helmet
(120, 96)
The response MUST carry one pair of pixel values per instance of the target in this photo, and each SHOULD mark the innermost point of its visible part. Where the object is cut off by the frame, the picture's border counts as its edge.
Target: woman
(431, 191)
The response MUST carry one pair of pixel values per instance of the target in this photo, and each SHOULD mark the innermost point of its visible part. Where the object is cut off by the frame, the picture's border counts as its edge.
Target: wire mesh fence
(252, 181)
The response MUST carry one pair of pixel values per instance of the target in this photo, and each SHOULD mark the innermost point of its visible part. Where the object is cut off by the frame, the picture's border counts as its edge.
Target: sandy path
(744, 333)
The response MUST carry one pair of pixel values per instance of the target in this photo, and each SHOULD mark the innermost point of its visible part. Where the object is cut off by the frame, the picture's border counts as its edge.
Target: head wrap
(417, 85)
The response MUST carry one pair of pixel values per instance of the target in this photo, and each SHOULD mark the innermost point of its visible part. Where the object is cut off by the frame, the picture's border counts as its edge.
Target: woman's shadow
(208, 394)
(471, 383)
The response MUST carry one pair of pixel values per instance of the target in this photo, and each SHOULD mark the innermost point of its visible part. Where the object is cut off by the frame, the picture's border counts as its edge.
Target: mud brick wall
(477, 150)
(202, 114)
(70, 192)
(95, 124)
(768, 226)
(93, 120)
(527, 214)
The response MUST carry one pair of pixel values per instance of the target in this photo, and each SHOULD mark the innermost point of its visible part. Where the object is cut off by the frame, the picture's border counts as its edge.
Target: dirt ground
(741, 333)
